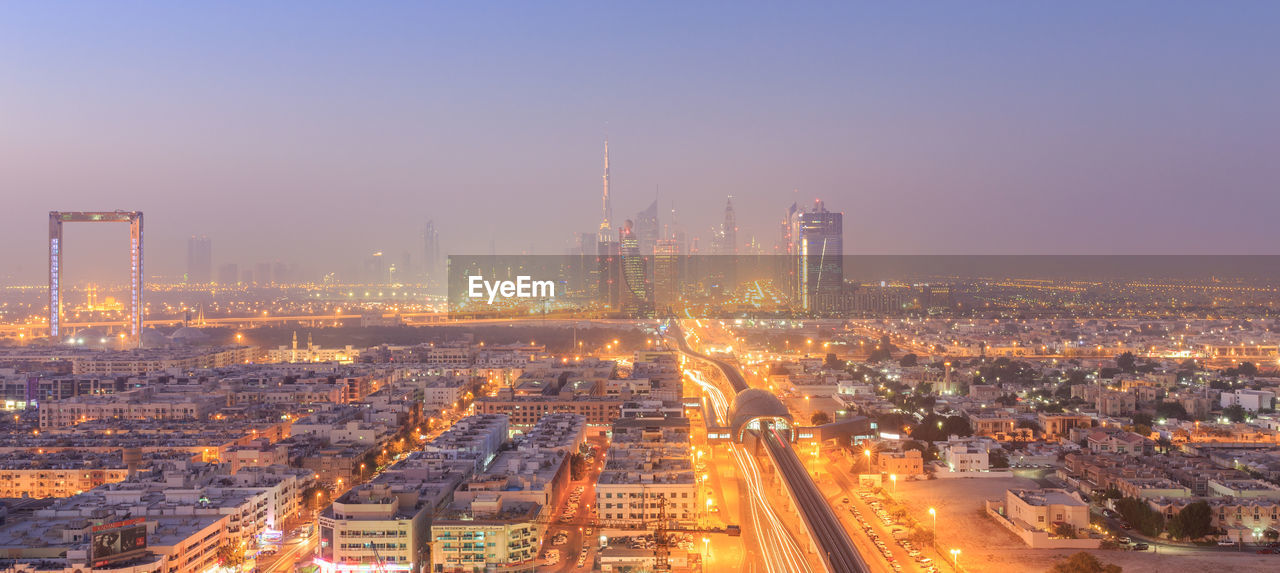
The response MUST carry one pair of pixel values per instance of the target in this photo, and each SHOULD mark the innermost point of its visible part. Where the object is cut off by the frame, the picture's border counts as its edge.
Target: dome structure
(93, 337)
(152, 338)
(755, 404)
(188, 335)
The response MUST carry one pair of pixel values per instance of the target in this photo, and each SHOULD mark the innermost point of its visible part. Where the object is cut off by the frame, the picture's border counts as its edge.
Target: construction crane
(661, 529)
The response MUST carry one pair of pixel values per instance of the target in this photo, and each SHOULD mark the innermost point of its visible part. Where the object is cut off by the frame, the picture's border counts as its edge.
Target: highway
(833, 540)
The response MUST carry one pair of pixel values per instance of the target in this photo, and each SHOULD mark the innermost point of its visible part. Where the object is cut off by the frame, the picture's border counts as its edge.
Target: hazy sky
(320, 132)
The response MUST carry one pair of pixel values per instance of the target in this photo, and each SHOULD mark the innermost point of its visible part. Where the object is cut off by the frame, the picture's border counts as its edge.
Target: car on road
(1225, 543)
(1141, 547)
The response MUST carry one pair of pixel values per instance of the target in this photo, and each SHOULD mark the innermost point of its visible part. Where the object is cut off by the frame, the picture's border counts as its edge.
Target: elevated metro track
(836, 548)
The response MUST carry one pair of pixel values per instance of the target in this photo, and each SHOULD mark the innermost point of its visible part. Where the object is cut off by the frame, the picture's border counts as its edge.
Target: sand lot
(988, 547)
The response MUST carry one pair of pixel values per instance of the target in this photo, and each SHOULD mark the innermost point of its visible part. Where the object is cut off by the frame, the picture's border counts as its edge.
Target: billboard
(118, 541)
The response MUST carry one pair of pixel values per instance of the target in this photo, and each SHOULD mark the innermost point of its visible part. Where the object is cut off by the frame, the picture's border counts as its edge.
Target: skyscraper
(821, 260)
(788, 251)
(729, 230)
(666, 277)
(199, 260)
(646, 228)
(228, 274)
(606, 224)
(431, 255)
(637, 297)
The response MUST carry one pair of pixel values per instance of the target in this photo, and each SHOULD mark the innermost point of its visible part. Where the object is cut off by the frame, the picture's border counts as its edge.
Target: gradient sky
(320, 132)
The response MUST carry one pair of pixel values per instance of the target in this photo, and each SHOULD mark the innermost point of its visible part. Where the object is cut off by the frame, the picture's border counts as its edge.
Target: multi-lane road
(837, 549)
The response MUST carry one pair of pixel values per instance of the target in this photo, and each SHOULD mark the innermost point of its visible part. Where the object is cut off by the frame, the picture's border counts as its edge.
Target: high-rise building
(431, 268)
(666, 277)
(788, 251)
(637, 298)
(262, 275)
(228, 274)
(199, 260)
(646, 228)
(821, 260)
(608, 275)
(375, 270)
(729, 230)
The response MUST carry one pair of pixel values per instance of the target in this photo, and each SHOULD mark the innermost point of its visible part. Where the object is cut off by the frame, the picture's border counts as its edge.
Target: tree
(1142, 419)
(577, 466)
(1172, 410)
(230, 556)
(921, 537)
(998, 459)
(314, 496)
(908, 360)
(1126, 362)
(935, 428)
(1247, 369)
(879, 354)
(1065, 530)
(1136, 511)
(1084, 563)
(1235, 413)
(819, 418)
(1192, 522)
(957, 426)
(834, 363)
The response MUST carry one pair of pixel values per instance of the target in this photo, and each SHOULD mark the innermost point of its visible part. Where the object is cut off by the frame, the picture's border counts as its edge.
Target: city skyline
(1042, 134)
(662, 287)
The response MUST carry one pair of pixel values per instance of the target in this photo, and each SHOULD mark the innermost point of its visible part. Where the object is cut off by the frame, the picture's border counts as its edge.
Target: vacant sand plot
(987, 547)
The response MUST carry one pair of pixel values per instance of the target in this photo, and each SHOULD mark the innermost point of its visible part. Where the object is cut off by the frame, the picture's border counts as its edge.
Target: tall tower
(729, 230)
(606, 225)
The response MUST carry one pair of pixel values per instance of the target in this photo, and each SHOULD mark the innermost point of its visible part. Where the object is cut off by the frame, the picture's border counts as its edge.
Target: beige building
(906, 463)
(1043, 509)
(1060, 425)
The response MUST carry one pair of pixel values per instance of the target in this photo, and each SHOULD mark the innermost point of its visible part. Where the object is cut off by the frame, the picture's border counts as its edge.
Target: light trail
(781, 552)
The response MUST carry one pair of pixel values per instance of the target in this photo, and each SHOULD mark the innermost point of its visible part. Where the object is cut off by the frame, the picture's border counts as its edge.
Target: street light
(893, 480)
(955, 558)
(868, 454)
(934, 514)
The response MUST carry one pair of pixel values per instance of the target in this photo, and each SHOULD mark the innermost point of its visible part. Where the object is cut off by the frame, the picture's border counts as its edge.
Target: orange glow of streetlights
(934, 514)
(955, 558)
